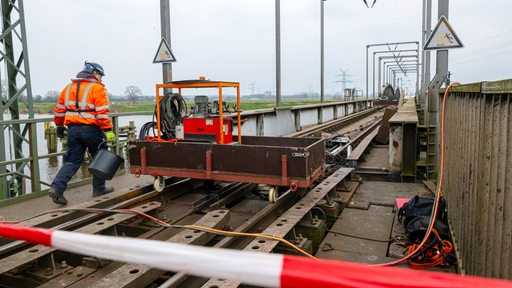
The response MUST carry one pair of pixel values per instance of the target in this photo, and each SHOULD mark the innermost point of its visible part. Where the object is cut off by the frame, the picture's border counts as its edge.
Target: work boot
(101, 193)
(57, 197)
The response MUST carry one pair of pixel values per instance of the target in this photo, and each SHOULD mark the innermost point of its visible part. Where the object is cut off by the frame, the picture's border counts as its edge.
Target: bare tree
(52, 96)
(133, 92)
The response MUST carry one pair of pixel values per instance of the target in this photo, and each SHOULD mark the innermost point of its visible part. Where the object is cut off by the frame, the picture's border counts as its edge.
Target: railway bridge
(278, 197)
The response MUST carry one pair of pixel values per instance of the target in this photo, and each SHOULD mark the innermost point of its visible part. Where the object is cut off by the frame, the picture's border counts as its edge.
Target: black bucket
(105, 164)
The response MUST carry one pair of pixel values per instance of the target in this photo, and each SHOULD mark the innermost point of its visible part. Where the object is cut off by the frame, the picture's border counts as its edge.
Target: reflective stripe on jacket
(91, 107)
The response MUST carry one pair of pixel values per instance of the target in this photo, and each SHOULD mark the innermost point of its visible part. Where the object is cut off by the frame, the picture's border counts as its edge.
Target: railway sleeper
(41, 264)
(287, 221)
(136, 275)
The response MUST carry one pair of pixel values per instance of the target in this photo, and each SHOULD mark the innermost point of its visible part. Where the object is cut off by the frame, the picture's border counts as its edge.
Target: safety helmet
(91, 67)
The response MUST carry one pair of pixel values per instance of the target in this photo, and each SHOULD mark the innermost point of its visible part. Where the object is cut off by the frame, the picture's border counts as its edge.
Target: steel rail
(143, 195)
(180, 277)
(173, 190)
(356, 140)
(287, 221)
(334, 124)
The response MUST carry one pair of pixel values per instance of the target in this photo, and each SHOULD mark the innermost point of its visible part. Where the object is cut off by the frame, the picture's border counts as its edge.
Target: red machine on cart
(207, 129)
(201, 144)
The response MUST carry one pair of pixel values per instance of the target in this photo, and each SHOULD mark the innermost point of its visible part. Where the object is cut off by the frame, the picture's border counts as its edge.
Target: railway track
(237, 211)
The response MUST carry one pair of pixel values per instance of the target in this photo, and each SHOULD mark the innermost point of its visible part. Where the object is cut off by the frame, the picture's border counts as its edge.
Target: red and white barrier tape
(267, 270)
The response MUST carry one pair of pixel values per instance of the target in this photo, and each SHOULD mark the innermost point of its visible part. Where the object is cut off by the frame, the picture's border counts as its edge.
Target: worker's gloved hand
(111, 137)
(60, 131)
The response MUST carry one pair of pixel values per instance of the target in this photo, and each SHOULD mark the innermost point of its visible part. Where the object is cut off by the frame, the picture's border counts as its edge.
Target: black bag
(420, 206)
(416, 228)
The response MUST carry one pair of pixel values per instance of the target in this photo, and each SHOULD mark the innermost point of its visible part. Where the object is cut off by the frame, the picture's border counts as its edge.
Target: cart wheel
(159, 183)
(272, 194)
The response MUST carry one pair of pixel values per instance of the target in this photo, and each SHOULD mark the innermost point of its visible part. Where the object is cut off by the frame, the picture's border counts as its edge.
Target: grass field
(120, 107)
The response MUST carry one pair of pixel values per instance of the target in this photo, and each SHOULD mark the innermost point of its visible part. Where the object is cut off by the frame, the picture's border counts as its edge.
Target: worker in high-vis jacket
(83, 108)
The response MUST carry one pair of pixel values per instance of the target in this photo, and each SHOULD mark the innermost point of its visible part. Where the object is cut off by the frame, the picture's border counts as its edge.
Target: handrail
(29, 159)
(253, 120)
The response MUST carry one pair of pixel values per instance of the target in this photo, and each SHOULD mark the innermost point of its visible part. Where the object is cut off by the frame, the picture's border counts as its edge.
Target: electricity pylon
(15, 95)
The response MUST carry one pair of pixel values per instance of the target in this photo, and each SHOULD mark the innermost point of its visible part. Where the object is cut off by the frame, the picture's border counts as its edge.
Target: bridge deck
(359, 234)
(75, 196)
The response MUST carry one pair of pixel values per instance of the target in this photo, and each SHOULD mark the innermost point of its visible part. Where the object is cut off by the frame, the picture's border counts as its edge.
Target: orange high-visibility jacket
(92, 107)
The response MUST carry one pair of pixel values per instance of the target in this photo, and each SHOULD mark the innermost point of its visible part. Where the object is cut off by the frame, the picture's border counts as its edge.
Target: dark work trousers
(80, 137)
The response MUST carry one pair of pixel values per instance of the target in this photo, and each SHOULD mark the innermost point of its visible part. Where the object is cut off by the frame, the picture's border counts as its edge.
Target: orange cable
(438, 192)
(434, 256)
(245, 234)
(218, 231)
(194, 227)
(2, 220)
(156, 139)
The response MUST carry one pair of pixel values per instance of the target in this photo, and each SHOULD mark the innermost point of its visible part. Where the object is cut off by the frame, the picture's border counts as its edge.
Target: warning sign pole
(440, 39)
(165, 24)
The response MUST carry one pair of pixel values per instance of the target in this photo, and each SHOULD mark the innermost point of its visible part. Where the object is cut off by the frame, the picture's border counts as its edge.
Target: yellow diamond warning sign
(443, 37)
(164, 53)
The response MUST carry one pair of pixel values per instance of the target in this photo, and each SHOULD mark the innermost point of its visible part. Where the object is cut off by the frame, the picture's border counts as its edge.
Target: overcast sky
(234, 40)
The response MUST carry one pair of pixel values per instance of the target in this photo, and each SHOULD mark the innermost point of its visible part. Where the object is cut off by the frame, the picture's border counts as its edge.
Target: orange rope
(438, 192)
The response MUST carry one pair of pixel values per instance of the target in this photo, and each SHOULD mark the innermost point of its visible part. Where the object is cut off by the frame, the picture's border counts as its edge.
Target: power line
(344, 75)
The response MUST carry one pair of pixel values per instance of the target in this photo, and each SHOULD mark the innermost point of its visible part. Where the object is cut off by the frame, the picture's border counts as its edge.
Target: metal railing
(30, 164)
(478, 176)
(265, 122)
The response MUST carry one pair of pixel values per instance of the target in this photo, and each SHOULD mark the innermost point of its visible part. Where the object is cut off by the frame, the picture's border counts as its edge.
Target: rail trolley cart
(202, 145)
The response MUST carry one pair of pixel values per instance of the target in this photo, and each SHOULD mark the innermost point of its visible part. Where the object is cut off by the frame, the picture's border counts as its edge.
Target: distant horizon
(235, 40)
